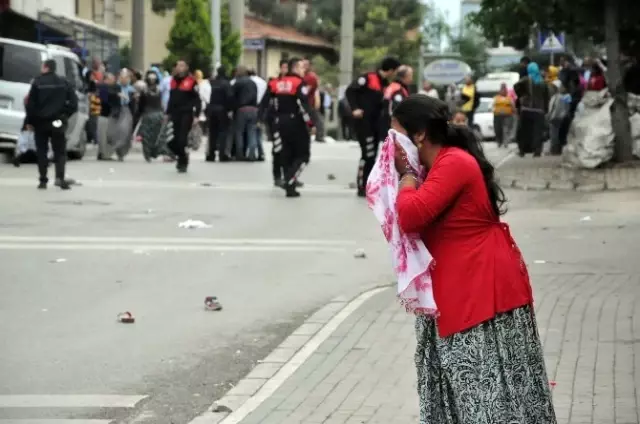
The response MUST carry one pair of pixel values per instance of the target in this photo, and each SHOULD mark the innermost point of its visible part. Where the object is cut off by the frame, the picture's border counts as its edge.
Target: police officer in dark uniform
(52, 101)
(365, 98)
(219, 109)
(183, 110)
(268, 114)
(288, 95)
(394, 94)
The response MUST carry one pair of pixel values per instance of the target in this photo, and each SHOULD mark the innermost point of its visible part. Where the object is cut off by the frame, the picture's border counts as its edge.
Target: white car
(483, 119)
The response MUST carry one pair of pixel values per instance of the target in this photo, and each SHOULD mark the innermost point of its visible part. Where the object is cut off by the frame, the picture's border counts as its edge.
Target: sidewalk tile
(364, 372)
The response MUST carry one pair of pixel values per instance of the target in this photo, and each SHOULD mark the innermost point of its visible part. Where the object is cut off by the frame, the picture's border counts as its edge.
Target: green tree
(435, 30)
(613, 22)
(190, 37)
(472, 48)
(283, 14)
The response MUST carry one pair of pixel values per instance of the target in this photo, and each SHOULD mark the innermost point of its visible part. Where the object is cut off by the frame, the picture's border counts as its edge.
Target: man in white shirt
(428, 90)
(261, 85)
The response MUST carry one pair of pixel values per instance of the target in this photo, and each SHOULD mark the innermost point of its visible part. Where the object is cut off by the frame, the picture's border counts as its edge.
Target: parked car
(483, 119)
(20, 63)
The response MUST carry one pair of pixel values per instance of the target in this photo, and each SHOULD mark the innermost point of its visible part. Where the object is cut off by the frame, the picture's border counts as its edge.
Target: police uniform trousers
(367, 131)
(276, 149)
(178, 145)
(296, 146)
(219, 126)
(45, 133)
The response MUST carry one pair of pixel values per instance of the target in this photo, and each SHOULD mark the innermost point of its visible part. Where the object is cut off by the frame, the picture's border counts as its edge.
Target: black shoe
(182, 169)
(211, 158)
(42, 186)
(65, 186)
(16, 161)
(225, 158)
(261, 159)
(292, 192)
(362, 192)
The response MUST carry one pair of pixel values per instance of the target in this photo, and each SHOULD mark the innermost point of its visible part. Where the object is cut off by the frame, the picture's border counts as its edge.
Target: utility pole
(346, 43)
(109, 14)
(216, 22)
(137, 34)
(236, 12)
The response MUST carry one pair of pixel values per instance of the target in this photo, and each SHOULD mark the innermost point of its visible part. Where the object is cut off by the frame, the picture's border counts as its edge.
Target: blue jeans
(246, 121)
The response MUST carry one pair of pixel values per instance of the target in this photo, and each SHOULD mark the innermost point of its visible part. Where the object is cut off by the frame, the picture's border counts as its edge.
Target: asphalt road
(71, 261)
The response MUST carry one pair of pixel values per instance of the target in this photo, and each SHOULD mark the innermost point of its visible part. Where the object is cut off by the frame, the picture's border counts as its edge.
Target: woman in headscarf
(533, 95)
(480, 360)
(151, 117)
(121, 119)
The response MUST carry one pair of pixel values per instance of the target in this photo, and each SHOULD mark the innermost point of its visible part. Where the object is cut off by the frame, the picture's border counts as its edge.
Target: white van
(20, 63)
(489, 85)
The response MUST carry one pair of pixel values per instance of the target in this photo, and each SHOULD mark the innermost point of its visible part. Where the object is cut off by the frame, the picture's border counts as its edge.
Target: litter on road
(58, 261)
(359, 254)
(126, 318)
(585, 219)
(211, 303)
(193, 224)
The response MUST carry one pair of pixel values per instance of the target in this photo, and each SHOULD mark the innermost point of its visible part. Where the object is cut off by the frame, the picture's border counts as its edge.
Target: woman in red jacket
(481, 360)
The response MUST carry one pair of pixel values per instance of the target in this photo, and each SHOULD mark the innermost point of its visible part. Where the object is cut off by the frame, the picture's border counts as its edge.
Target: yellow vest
(469, 91)
(502, 105)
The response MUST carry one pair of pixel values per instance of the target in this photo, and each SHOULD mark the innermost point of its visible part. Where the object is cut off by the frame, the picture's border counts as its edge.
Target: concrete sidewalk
(364, 372)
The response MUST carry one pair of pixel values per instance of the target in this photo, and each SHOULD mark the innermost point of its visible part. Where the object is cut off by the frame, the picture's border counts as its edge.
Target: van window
(60, 71)
(19, 63)
(74, 73)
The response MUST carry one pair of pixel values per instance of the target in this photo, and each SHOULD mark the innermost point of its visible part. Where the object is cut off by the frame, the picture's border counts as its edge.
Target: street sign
(254, 44)
(446, 71)
(551, 42)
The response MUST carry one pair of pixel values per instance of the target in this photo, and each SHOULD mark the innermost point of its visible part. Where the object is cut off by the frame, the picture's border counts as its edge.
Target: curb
(271, 372)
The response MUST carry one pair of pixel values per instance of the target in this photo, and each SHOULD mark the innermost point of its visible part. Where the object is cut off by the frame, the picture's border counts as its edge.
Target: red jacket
(479, 271)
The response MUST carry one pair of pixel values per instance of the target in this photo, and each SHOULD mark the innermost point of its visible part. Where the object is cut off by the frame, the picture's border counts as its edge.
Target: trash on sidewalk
(206, 184)
(222, 409)
(191, 224)
(331, 177)
(352, 185)
(211, 303)
(552, 384)
(585, 219)
(359, 254)
(539, 262)
(126, 318)
(58, 261)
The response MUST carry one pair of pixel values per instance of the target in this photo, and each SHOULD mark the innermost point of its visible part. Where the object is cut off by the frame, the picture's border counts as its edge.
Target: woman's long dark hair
(420, 113)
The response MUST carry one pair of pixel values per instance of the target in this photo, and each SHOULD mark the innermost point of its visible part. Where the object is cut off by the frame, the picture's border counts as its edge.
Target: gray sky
(450, 7)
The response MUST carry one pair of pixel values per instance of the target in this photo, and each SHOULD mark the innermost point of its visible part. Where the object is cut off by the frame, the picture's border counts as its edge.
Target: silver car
(20, 63)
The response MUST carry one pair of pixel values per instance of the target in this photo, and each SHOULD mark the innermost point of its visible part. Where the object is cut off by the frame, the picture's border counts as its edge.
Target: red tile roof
(255, 28)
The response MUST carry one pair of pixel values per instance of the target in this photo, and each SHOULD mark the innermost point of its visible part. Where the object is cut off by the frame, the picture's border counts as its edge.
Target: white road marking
(177, 240)
(175, 248)
(505, 160)
(54, 421)
(287, 370)
(69, 401)
(132, 184)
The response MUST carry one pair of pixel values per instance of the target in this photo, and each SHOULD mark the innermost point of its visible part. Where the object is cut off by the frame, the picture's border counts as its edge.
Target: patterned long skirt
(150, 128)
(493, 373)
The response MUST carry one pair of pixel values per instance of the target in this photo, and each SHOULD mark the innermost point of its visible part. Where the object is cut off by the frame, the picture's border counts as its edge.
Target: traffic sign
(551, 42)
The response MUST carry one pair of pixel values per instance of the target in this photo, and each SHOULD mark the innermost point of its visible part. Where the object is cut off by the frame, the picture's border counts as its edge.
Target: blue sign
(551, 42)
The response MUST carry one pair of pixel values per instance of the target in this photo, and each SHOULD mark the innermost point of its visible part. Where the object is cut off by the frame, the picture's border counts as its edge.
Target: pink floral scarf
(411, 260)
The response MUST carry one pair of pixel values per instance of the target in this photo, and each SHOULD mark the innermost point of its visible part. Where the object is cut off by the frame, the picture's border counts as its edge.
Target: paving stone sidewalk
(547, 173)
(364, 372)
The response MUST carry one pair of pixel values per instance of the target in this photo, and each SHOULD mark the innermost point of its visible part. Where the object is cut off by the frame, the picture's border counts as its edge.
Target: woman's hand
(401, 161)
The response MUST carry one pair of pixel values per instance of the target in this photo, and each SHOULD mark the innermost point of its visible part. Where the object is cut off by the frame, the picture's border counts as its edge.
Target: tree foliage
(472, 48)
(182, 46)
